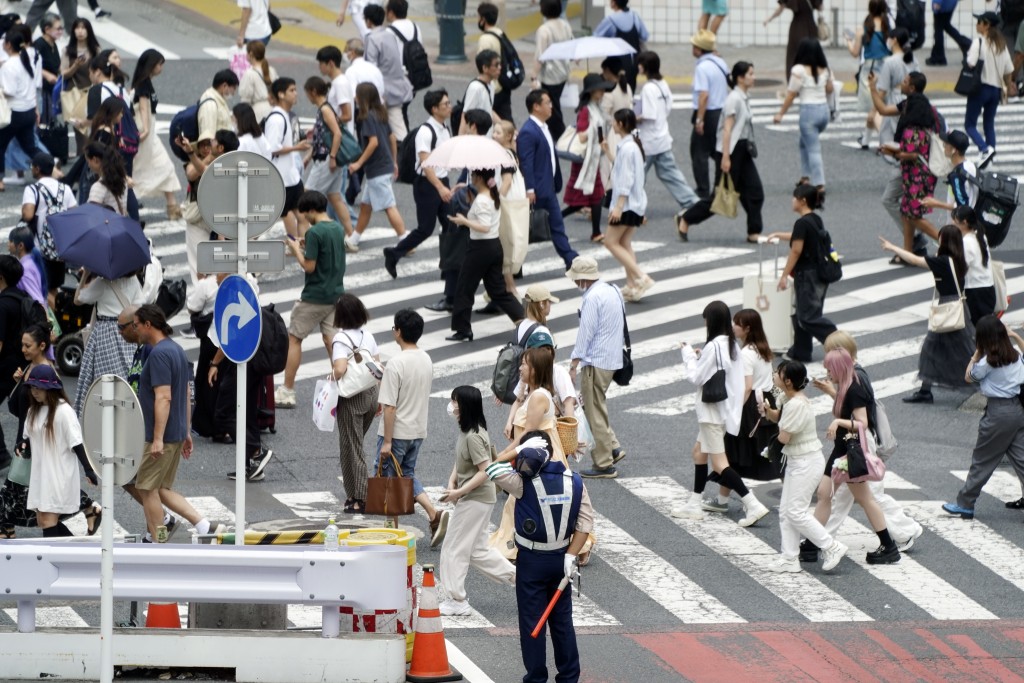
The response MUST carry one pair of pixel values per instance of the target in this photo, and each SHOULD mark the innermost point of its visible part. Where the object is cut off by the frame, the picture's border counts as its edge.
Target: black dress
(945, 355)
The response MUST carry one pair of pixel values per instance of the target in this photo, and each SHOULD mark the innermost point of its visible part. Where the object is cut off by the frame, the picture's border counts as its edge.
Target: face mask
(451, 409)
(581, 288)
(480, 24)
(346, 59)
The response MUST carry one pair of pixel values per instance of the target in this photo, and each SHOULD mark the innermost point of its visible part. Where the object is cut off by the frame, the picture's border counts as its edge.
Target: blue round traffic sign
(237, 319)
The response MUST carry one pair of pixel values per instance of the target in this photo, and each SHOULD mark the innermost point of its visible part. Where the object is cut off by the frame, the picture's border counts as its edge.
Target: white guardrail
(365, 577)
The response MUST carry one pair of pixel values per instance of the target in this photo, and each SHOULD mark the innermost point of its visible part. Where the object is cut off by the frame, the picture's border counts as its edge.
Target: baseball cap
(957, 139)
(540, 338)
(530, 460)
(990, 18)
(537, 293)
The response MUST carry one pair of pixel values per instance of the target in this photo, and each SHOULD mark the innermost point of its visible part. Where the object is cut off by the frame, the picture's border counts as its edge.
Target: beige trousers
(594, 394)
(466, 544)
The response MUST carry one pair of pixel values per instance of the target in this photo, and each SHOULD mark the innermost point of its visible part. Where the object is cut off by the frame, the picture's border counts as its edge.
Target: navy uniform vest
(545, 516)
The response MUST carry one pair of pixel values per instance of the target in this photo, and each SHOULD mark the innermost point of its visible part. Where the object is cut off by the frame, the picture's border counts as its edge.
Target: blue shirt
(628, 177)
(709, 77)
(1001, 382)
(167, 365)
(602, 318)
(622, 22)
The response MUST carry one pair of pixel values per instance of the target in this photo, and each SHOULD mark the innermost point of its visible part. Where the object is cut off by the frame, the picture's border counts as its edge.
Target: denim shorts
(322, 179)
(406, 451)
(378, 192)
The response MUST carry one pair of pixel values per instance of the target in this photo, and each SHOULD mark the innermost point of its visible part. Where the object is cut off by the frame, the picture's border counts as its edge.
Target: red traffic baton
(551, 605)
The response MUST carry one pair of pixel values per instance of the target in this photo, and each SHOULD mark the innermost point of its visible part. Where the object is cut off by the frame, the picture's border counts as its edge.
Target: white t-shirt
(801, 80)
(423, 143)
(259, 21)
(18, 86)
(202, 296)
(53, 186)
(405, 27)
(341, 345)
(278, 132)
(978, 274)
(526, 324)
(655, 105)
(484, 212)
(362, 71)
(260, 145)
(479, 95)
(101, 194)
(54, 485)
(340, 94)
(759, 368)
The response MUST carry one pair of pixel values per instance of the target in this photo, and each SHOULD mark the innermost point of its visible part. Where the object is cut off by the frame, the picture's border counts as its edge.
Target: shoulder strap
(529, 332)
(405, 41)
(956, 279)
(115, 285)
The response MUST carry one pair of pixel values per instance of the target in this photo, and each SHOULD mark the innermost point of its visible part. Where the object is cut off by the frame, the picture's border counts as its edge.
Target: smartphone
(848, 34)
(600, 134)
(291, 237)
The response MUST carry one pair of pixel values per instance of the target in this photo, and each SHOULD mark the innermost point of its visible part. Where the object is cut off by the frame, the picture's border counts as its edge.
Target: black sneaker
(391, 262)
(249, 476)
(919, 397)
(808, 552)
(600, 473)
(102, 14)
(1016, 504)
(883, 555)
(258, 463)
(617, 455)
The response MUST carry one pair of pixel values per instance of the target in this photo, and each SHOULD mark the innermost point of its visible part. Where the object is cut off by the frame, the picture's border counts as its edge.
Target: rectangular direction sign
(265, 256)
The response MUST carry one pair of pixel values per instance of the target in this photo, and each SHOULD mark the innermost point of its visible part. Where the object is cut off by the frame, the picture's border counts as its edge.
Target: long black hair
(917, 113)
(951, 245)
(613, 65)
(149, 60)
(487, 175)
(471, 408)
(19, 37)
(627, 119)
(112, 173)
(967, 215)
(102, 63)
(809, 53)
(993, 342)
(718, 321)
(876, 8)
(245, 117)
(902, 38)
(92, 45)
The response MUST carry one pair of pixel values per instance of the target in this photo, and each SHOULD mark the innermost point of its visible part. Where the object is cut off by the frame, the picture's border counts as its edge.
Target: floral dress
(918, 182)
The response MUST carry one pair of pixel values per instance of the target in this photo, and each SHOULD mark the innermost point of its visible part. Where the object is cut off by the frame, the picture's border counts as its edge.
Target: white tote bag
(362, 372)
(325, 404)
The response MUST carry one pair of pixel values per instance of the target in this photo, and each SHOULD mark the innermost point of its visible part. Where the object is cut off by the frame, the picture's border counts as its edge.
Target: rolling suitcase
(775, 307)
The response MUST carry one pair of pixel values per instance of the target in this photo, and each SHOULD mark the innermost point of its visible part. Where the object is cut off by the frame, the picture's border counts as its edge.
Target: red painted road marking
(815, 656)
(983, 663)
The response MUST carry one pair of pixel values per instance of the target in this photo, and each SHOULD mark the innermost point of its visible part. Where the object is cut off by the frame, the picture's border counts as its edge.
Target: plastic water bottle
(331, 536)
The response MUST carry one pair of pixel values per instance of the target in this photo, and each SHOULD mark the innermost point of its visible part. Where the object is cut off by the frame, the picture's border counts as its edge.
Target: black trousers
(22, 128)
(809, 321)
(483, 262)
(747, 182)
(225, 419)
(944, 25)
(503, 105)
(702, 150)
(556, 124)
(430, 211)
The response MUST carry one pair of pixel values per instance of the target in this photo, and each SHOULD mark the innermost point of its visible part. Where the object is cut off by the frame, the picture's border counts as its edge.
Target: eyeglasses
(124, 326)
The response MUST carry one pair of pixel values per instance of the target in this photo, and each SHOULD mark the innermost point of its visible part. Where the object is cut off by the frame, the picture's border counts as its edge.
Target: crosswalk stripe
(804, 592)
(315, 506)
(212, 509)
(909, 578)
(656, 578)
(52, 617)
(1003, 484)
(128, 42)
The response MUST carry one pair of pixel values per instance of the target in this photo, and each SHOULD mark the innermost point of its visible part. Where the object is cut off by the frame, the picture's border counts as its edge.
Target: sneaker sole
(830, 564)
(687, 514)
(909, 543)
(883, 560)
(711, 507)
(746, 521)
(261, 465)
(609, 475)
(785, 570)
(617, 459)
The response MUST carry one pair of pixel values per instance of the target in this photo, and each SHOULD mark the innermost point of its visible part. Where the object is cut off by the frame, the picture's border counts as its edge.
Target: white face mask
(581, 288)
(345, 59)
(451, 409)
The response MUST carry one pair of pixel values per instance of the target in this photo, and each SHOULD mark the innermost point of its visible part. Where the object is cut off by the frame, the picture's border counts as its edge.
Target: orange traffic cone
(429, 655)
(163, 615)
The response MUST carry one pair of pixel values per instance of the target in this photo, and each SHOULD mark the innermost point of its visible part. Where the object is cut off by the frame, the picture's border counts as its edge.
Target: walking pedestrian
(624, 23)
(996, 84)
(154, 172)
(51, 30)
(40, 200)
(359, 70)
(480, 91)
(655, 107)
(628, 204)
(802, 25)
(473, 494)
(325, 173)
(942, 23)
(942, 353)
(514, 227)
(809, 321)
(804, 461)
(354, 414)
(710, 90)
(355, 9)
(997, 367)
(111, 186)
(713, 13)
(218, 117)
(286, 153)
(720, 357)
(596, 356)
(81, 49)
(255, 22)
(378, 162)
(552, 74)
(811, 81)
(490, 39)
(870, 46)
(254, 85)
(585, 189)
(68, 10)
(889, 82)
(619, 97)
(483, 260)
(979, 284)
(21, 245)
(962, 180)
(735, 152)
(384, 50)
(17, 81)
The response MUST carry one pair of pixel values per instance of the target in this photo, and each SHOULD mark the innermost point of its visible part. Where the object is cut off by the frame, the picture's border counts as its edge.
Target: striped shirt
(600, 337)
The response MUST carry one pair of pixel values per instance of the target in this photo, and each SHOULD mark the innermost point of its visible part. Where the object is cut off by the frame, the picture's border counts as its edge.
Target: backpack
(455, 118)
(40, 224)
(998, 197)
(263, 126)
(186, 123)
(910, 15)
(415, 60)
(127, 132)
(513, 73)
(272, 354)
(407, 154)
(827, 263)
(506, 368)
(32, 312)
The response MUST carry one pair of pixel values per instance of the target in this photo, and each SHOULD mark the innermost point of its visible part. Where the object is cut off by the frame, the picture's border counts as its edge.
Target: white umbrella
(468, 151)
(590, 47)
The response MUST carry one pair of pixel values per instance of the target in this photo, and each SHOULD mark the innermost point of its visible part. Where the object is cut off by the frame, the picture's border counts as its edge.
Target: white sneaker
(785, 565)
(454, 608)
(753, 512)
(831, 555)
(351, 248)
(689, 510)
(284, 397)
(985, 158)
(909, 543)
(712, 505)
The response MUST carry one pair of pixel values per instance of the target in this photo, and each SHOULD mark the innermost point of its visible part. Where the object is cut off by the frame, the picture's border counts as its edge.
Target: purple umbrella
(103, 241)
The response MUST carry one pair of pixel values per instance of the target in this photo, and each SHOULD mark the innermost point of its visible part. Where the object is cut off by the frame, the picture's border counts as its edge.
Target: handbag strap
(380, 465)
(352, 344)
(956, 282)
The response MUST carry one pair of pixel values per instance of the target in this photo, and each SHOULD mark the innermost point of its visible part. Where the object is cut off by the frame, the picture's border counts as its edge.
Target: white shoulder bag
(362, 373)
(947, 317)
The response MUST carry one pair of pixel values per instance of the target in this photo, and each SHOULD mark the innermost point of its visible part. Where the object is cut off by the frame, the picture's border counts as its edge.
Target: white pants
(194, 234)
(900, 526)
(397, 122)
(466, 544)
(803, 473)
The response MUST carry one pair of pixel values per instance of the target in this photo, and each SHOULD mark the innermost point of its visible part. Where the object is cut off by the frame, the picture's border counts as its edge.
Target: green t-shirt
(471, 450)
(325, 244)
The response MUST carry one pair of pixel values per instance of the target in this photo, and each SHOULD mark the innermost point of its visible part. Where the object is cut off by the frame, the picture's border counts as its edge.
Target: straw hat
(704, 39)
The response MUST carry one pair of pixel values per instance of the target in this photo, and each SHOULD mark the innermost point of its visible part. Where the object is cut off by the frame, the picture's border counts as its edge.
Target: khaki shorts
(305, 318)
(711, 438)
(159, 473)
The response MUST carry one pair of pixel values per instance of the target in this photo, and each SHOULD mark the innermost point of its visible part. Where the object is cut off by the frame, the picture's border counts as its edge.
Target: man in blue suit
(540, 169)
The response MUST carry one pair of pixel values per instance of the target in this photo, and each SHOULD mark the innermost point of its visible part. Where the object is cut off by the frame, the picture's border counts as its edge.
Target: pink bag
(239, 61)
(858, 460)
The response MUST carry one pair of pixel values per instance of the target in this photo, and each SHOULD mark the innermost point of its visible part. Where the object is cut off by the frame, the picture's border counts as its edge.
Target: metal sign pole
(107, 530)
(241, 369)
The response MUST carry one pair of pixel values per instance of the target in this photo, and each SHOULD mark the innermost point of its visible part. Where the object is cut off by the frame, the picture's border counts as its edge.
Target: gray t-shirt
(890, 78)
(167, 365)
(406, 386)
(472, 449)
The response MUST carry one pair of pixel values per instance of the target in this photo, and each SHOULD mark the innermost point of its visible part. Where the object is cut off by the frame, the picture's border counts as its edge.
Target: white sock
(167, 518)
(723, 500)
(203, 526)
(148, 537)
(355, 237)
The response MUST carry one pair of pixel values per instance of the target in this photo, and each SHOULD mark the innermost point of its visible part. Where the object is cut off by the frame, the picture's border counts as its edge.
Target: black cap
(990, 18)
(44, 162)
(957, 139)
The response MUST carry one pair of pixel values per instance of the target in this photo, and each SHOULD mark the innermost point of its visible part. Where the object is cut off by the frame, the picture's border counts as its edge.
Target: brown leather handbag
(389, 496)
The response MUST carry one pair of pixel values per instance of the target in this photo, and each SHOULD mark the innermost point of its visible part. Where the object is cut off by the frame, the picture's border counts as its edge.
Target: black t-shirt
(857, 396)
(11, 356)
(50, 55)
(944, 280)
(380, 162)
(807, 229)
(145, 89)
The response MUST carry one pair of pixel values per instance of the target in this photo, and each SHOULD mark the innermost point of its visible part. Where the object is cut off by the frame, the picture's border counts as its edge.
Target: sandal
(94, 526)
(7, 533)
(348, 505)
(598, 238)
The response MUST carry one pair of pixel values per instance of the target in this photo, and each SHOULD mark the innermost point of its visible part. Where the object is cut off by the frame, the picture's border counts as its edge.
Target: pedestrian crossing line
(974, 538)
(212, 509)
(657, 578)
(314, 506)
(803, 592)
(1002, 485)
(305, 617)
(910, 579)
(79, 526)
(128, 42)
(52, 617)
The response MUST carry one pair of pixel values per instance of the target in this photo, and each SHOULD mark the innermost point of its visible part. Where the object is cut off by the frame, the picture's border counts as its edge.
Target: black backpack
(998, 197)
(910, 15)
(32, 312)
(512, 71)
(407, 154)
(186, 122)
(506, 368)
(827, 263)
(415, 60)
(272, 354)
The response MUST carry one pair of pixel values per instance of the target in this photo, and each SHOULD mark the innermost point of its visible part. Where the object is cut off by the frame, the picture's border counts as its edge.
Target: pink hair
(839, 364)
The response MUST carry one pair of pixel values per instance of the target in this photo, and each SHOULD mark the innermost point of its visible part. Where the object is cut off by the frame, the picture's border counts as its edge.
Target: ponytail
(627, 119)
(623, 81)
(18, 41)
(487, 175)
(966, 214)
(259, 53)
(636, 139)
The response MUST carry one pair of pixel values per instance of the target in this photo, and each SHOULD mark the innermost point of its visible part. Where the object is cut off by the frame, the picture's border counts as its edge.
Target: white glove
(571, 566)
(532, 442)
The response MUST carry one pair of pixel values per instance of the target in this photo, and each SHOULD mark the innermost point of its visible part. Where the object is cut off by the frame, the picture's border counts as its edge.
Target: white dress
(54, 485)
(153, 172)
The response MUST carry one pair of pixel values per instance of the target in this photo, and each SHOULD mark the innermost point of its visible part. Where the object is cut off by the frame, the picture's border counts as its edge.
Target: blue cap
(530, 460)
(43, 377)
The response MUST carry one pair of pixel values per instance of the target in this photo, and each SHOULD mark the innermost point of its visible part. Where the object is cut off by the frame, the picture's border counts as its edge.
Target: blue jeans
(405, 451)
(986, 98)
(669, 174)
(813, 120)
